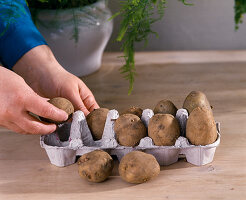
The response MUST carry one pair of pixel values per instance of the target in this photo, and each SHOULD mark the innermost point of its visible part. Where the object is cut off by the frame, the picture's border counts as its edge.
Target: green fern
(138, 16)
(240, 9)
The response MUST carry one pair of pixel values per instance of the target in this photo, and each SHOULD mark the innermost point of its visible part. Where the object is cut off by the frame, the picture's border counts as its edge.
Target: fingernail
(65, 118)
(52, 130)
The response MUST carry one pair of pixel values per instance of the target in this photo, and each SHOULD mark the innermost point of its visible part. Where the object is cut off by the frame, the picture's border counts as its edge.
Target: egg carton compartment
(72, 139)
(57, 149)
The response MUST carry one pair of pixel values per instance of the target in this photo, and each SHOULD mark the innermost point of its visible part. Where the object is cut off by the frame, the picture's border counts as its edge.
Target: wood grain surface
(25, 171)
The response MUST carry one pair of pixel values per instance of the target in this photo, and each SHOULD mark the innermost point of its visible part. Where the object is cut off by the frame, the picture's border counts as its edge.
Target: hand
(49, 79)
(63, 84)
(18, 99)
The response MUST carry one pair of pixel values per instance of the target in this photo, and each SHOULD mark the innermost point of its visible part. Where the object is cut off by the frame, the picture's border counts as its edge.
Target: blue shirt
(18, 34)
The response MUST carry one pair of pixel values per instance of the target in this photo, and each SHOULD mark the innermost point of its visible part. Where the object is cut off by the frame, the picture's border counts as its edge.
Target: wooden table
(25, 171)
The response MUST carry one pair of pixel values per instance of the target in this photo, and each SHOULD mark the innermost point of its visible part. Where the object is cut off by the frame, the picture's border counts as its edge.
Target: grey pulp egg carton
(74, 138)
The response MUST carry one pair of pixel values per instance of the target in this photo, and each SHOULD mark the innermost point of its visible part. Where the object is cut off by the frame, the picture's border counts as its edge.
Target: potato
(196, 99)
(163, 129)
(201, 127)
(95, 166)
(96, 122)
(165, 107)
(62, 104)
(133, 110)
(129, 130)
(138, 167)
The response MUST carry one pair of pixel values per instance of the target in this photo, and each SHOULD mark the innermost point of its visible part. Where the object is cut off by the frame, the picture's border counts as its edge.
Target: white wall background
(208, 25)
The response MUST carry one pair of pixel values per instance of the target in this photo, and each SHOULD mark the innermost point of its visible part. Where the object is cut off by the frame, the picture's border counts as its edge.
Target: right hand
(17, 99)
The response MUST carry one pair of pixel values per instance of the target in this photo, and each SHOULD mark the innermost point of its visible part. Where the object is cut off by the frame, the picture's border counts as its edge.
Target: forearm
(36, 64)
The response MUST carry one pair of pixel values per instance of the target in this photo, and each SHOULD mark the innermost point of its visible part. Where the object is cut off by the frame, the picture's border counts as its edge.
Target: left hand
(49, 79)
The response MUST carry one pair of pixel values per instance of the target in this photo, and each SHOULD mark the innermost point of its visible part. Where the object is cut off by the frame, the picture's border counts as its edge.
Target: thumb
(39, 106)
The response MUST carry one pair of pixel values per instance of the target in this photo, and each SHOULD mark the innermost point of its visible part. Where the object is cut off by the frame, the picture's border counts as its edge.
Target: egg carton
(74, 138)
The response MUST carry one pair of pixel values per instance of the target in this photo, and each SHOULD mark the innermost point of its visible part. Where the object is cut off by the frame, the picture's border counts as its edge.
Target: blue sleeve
(18, 34)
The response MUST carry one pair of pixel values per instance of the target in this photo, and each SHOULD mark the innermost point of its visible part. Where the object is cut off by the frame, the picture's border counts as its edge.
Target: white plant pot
(79, 54)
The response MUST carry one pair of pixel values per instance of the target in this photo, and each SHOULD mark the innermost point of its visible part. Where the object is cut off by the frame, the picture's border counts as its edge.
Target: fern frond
(240, 10)
(138, 16)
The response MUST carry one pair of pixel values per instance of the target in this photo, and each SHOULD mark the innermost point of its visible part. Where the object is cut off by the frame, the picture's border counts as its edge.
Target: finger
(39, 106)
(79, 105)
(76, 100)
(44, 98)
(90, 102)
(87, 97)
(32, 126)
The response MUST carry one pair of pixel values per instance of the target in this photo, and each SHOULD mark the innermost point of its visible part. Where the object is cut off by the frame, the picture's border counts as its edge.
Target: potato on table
(138, 167)
(95, 166)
